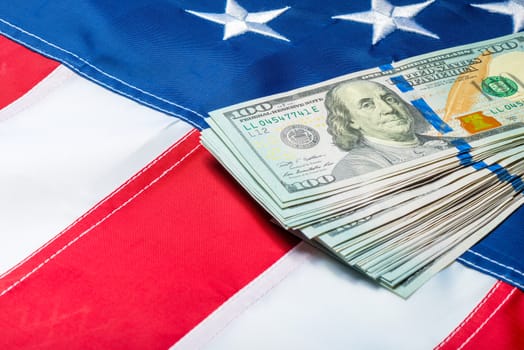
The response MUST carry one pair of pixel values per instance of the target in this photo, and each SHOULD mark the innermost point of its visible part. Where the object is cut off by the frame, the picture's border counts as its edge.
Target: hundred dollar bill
(320, 140)
(439, 178)
(408, 278)
(445, 232)
(477, 229)
(325, 214)
(412, 207)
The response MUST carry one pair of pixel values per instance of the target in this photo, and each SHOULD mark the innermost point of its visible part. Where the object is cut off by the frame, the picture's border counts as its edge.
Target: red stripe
(496, 323)
(146, 265)
(20, 70)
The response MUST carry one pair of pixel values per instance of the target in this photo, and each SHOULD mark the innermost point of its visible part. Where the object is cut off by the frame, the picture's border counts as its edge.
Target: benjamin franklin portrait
(376, 127)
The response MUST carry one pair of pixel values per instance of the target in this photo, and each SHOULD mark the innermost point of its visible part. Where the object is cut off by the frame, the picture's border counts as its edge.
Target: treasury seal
(499, 86)
(299, 136)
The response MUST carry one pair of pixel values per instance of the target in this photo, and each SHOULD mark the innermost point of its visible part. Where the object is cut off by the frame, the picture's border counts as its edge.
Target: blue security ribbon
(464, 148)
(466, 159)
(505, 176)
(386, 67)
(430, 115)
(401, 83)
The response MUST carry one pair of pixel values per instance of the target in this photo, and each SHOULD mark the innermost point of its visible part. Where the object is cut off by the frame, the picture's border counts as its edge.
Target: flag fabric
(166, 250)
(186, 59)
(65, 121)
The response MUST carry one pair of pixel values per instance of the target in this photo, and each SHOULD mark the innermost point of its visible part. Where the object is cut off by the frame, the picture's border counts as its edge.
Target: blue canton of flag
(186, 58)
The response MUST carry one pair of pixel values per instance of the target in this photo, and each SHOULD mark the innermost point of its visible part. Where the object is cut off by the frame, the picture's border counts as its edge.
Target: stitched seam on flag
(96, 68)
(502, 277)
(99, 222)
(126, 94)
(496, 262)
(256, 300)
(471, 314)
(104, 84)
(487, 319)
(111, 195)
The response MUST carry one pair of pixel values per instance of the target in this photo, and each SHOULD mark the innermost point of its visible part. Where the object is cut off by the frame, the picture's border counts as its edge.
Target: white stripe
(61, 154)
(98, 223)
(322, 304)
(53, 81)
(241, 301)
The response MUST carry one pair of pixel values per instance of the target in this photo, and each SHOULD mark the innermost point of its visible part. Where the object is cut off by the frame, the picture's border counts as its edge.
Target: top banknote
(315, 141)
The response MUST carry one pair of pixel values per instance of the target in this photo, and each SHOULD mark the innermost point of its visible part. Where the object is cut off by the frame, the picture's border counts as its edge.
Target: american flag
(118, 230)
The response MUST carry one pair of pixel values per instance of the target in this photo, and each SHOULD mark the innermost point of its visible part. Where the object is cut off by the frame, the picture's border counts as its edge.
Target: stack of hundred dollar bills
(397, 170)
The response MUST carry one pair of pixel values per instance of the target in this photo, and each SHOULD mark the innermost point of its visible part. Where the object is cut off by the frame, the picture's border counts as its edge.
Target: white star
(514, 8)
(237, 20)
(387, 18)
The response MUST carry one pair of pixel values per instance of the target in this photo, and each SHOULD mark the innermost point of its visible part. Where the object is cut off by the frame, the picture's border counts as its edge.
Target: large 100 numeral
(311, 183)
(251, 110)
